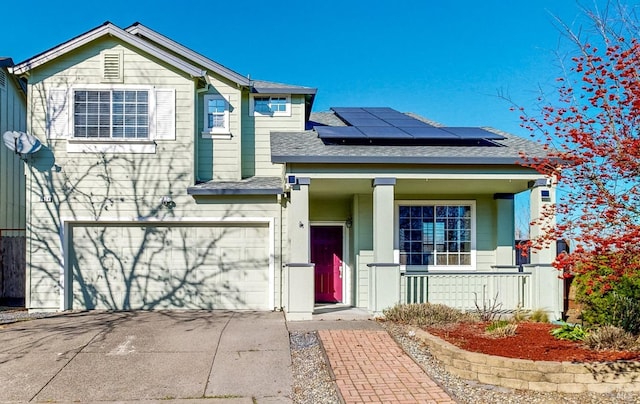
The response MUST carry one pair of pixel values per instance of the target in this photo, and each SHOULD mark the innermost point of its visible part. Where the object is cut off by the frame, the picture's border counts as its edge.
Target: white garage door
(158, 267)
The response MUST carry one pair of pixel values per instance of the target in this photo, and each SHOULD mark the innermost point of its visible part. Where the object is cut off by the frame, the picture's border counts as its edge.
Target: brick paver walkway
(371, 368)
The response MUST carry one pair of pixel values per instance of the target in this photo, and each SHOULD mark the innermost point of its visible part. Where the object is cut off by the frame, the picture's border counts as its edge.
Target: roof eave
(196, 191)
(396, 160)
(285, 90)
(106, 29)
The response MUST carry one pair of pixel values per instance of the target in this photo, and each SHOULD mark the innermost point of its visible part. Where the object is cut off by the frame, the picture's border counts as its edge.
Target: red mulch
(532, 341)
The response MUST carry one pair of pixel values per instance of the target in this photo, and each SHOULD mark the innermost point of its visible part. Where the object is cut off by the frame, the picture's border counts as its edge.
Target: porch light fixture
(349, 222)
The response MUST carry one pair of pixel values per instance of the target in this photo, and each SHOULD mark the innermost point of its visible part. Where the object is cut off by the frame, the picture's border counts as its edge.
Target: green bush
(618, 305)
(425, 314)
(572, 332)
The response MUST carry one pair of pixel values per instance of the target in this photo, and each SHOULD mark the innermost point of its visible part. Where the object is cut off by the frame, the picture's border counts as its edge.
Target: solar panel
(367, 122)
(471, 133)
(383, 123)
(384, 132)
(430, 132)
(407, 123)
(338, 110)
(338, 132)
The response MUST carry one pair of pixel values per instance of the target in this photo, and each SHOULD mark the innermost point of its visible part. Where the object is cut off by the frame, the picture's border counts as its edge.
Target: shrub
(572, 332)
(501, 329)
(488, 310)
(610, 337)
(425, 314)
(519, 315)
(609, 295)
(539, 316)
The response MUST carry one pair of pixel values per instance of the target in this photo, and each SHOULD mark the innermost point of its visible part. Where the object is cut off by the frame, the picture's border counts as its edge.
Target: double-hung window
(436, 235)
(111, 114)
(271, 105)
(216, 115)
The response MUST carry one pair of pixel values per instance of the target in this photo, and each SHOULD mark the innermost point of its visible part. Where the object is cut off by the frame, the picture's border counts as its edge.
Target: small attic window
(3, 79)
(112, 66)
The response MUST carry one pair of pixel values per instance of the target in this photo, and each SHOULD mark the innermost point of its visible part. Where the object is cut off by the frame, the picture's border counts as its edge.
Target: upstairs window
(271, 106)
(216, 115)
(105, 114)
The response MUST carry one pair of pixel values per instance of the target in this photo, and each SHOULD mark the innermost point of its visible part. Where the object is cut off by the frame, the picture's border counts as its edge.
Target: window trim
(112, 145)
(253, 112)
(216, 133)
(429, 202)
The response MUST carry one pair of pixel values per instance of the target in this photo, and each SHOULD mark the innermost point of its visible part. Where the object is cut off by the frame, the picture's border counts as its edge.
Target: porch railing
(462, 290)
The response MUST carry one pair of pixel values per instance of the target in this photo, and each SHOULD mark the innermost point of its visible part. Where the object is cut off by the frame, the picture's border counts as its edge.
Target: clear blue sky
(446, 60)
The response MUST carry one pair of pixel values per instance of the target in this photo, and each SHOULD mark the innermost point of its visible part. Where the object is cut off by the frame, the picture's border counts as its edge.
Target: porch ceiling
(342, 187)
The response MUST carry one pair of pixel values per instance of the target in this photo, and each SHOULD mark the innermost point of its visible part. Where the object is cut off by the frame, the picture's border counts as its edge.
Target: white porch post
(548, 287)
(505, 209)
(299, 288)
(384, 274)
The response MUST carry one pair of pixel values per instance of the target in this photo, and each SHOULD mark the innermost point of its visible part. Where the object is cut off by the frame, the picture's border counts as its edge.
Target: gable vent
(3, 79)
(112, 67)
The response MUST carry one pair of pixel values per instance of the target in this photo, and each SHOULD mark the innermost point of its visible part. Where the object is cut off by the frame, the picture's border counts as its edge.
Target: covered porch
(377, 237)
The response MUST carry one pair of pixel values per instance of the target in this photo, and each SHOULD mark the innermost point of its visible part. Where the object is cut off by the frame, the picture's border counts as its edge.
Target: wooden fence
(12, 264)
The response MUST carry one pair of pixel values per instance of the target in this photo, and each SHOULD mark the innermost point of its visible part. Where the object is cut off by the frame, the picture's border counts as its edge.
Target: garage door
(157, 267)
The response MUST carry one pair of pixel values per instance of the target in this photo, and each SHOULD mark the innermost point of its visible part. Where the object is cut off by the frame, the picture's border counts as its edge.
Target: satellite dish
(21, 142)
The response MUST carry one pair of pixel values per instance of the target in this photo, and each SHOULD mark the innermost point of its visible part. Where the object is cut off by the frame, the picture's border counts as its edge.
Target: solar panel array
(382, 123)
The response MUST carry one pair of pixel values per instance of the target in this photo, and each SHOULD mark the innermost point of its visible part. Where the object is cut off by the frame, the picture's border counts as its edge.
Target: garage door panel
(129, 267)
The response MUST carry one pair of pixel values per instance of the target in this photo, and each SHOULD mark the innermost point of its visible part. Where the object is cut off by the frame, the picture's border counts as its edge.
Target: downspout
(280, 201)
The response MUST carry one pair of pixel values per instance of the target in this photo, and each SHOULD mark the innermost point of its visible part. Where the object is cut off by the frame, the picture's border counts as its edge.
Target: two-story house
(171, 181)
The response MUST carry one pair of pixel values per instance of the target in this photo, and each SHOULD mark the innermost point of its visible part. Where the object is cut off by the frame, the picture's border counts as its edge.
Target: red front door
(326, 253)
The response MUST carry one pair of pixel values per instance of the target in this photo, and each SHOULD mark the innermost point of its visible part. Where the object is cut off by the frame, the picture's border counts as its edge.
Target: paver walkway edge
(370, 367)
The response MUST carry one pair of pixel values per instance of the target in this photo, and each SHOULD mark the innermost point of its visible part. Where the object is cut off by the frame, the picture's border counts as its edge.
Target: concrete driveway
(219, 356)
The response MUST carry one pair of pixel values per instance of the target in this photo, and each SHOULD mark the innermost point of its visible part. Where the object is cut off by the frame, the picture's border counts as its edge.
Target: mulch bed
(532, 341)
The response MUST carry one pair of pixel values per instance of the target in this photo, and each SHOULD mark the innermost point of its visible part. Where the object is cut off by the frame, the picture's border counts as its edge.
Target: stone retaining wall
(564, 377)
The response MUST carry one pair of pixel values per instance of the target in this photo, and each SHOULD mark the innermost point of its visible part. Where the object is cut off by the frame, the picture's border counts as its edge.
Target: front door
(326, 253)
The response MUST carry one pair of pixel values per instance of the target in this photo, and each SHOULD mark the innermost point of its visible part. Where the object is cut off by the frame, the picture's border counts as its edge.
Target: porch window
(438, 235)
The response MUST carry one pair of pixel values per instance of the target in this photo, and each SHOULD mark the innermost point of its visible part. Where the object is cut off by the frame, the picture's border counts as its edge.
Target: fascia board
(395, 160)
(107, 29)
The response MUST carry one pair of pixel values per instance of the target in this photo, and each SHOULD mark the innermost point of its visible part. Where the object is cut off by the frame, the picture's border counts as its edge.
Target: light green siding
(12, 180)
(219, 159)
(118, 187)
(256, 148)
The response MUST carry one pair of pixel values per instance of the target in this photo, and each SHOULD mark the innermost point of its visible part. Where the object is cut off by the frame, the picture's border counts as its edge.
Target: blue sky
(445, 60)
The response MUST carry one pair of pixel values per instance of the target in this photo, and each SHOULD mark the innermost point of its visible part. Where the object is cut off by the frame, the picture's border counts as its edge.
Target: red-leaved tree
(592, 129)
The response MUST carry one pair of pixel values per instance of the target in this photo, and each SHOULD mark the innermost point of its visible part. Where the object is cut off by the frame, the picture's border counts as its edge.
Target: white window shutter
(165, 114)
(57, 119)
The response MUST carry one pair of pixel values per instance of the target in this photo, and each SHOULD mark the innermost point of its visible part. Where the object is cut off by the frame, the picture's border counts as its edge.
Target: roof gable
(147, 34)
(106, 29)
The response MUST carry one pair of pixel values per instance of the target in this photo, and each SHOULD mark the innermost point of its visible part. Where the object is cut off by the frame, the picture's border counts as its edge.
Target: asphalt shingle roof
(247, 186)
(307, 147)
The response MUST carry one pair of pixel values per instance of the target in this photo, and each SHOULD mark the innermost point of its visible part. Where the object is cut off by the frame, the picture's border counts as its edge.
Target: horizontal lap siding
(12, 187)
(256, 148)
(219, 159)
(128, 186)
